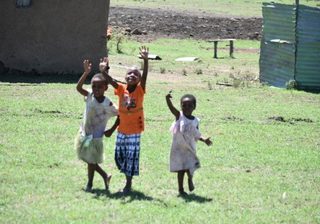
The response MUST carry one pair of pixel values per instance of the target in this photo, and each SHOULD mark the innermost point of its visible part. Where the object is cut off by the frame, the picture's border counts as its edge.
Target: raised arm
(144, 54)
(173, 110)
(104, 68)
(87, 69)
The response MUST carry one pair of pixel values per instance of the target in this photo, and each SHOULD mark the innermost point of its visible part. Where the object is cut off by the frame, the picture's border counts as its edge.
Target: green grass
(258, 170)
(246, 8)
(246, 57)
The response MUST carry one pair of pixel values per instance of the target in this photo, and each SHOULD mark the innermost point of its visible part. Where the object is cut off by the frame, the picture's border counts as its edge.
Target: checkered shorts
(127, 153)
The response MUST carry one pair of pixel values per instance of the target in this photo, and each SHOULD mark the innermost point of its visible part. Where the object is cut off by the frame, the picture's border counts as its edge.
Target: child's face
(133, 78)
(98, 87)
(187, 106)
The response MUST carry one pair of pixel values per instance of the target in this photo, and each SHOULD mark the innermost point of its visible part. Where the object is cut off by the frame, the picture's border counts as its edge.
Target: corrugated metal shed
(308, 48)
(290, 46)
(279, 21)
(277, 57)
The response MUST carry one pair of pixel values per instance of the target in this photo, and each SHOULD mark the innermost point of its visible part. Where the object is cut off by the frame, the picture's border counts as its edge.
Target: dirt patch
(232, 118)
(149, 24)
(290, 120)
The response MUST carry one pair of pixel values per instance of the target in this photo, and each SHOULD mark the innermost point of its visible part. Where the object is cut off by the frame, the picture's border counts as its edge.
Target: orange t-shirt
(130, 109)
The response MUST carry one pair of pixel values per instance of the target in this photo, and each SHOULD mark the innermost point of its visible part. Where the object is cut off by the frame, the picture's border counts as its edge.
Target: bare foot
(182, 192)
(88, 188)
(190, 184)
(126, 190)
(107, 182)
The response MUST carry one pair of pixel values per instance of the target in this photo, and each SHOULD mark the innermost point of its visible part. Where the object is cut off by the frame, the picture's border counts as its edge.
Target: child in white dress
(99, 109)
(185, 130)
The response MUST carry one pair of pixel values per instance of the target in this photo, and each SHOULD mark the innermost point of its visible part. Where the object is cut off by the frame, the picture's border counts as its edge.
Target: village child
(131, 96)
(185, 131)
(99, 109)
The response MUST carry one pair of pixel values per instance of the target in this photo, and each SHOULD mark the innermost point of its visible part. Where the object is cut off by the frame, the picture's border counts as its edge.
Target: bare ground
(149, 24)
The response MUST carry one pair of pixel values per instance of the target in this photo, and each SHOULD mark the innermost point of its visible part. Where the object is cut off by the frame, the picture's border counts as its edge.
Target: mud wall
(52, 36)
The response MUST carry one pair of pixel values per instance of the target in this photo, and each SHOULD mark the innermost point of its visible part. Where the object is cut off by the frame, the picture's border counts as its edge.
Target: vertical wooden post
(215, 43)
(231, 49)
(297, 2)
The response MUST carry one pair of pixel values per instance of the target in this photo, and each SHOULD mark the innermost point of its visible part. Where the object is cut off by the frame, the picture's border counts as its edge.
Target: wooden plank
(220, 40)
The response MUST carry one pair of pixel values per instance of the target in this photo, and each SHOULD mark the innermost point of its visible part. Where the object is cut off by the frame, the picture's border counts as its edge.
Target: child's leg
(127, 188)
(131, 159)
(104, 175)
(91, 168)
(190, 182)
(180, 181)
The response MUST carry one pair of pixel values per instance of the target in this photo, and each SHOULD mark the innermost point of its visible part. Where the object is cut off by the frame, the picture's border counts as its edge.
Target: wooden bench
(215, 45)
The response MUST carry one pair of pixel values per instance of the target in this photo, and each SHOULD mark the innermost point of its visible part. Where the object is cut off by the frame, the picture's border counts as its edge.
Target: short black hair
(101, 77)
(190, 96)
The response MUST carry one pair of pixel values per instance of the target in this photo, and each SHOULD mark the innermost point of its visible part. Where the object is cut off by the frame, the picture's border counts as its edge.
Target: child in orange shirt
(131, 95)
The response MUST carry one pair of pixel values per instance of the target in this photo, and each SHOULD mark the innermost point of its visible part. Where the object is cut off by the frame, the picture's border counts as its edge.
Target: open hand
(207, 141)
(144, 52)
(104, 64)
(169, 96)
(108, 133)
(87, 65)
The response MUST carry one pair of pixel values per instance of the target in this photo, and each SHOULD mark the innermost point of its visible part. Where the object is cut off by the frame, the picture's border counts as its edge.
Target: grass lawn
(245, 63)
(245, 8)
(260, 169)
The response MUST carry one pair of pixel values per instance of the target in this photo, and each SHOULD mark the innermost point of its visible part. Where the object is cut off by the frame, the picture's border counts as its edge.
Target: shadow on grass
(127, 198)
(35, 78)
(195, 198)
(139, 196)
(132, 196)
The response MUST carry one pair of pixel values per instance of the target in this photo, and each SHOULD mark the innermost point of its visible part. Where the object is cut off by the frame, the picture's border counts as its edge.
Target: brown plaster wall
(53, 35)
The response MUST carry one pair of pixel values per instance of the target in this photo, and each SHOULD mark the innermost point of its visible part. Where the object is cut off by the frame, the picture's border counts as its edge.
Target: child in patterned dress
(185, 130)
(89, 142)
(131, 95)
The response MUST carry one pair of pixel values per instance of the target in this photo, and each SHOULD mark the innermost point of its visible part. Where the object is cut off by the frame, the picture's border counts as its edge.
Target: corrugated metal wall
(308, 48)
(277, 57)
(290, 46)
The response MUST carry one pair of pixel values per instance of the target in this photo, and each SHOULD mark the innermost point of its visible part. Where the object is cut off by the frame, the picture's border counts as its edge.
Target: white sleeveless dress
(183, 149)
(89, 141)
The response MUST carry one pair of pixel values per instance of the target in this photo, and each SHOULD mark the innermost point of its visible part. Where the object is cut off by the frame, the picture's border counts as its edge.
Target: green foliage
(162, 70)
(198, 71)
(184, 72)
(117, 39)
(291, 84)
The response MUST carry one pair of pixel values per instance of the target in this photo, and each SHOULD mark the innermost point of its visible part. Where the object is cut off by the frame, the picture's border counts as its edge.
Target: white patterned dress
(89, 142)
(183, 149)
